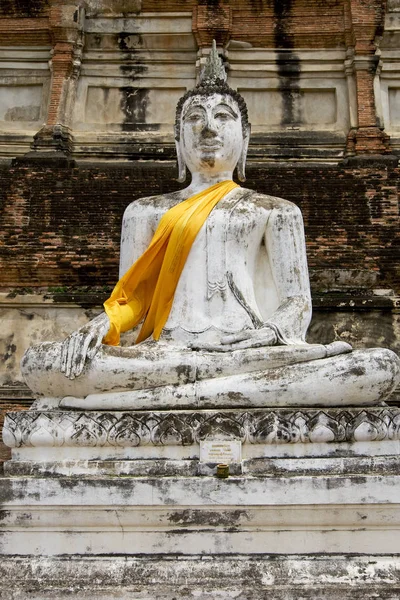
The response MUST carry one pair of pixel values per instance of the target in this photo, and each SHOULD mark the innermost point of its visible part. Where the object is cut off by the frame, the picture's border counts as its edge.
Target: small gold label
(222, 471)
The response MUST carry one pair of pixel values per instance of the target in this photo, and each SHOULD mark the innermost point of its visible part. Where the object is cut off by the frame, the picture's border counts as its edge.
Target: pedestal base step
(172, 577)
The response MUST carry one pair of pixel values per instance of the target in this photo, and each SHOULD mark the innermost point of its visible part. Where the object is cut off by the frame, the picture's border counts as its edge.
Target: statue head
(211, 128)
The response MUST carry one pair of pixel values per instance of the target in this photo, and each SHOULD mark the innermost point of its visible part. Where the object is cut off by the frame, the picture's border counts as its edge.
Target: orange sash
(147, 289)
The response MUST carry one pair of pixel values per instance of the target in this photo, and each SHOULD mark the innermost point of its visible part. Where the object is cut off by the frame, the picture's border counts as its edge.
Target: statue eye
(194, 117)
(223, 116)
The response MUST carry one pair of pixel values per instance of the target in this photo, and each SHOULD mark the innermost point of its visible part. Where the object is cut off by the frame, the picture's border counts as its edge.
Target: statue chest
(204, 302)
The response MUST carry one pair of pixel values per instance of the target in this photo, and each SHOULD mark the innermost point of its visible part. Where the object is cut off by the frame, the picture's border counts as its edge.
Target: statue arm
(285, 242)
(138, 228)
(82, 345)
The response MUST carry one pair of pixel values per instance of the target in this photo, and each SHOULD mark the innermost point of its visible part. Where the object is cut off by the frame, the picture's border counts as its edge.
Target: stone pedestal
(108, 504)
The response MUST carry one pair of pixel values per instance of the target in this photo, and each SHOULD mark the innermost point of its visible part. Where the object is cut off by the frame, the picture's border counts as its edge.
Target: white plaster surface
(326, 490)
(394, 103)
(312, 107)
(29, 319)
(321, 99)
(289, 515)
(24, 92)
(202, 578)
(81, 454)
(157, 63)
(103, 104)
(20, 103)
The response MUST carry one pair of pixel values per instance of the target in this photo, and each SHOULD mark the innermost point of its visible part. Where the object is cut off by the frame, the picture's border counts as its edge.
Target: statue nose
(209, 129)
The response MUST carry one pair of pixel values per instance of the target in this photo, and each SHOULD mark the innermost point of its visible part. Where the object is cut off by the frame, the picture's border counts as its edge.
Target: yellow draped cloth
(147, 289)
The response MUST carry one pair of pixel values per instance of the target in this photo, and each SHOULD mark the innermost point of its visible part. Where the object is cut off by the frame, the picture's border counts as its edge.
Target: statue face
(211, 137)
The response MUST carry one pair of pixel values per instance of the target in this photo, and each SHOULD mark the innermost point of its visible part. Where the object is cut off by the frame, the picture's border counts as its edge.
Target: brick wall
(25, 32)
(301, 23)
(23, 8)
(61, 227)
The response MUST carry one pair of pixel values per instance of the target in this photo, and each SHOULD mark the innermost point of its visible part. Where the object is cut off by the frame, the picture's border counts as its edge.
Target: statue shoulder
(150, 204)
(271, 202)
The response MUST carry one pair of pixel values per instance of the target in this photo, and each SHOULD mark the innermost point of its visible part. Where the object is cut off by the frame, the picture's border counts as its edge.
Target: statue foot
(46, 404)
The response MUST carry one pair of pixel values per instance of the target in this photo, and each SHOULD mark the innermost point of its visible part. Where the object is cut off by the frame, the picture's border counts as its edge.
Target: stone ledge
(91, 491)
(332, 577)
(389, 161)
(191, 515)
(287, 466)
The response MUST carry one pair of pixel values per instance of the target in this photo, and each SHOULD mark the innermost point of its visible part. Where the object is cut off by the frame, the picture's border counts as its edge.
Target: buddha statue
(216, 275)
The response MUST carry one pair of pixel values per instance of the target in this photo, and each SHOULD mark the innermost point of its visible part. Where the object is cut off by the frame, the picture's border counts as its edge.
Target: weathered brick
(62, 227)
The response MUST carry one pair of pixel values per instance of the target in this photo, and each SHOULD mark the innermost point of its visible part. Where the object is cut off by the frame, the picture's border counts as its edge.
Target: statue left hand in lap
(217, 277)
(254, 338)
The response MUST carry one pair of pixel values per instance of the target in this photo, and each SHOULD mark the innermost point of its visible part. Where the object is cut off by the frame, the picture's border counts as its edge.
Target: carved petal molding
(262, 426)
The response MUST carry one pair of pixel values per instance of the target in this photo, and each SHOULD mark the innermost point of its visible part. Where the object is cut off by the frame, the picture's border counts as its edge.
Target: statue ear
(242, 159)
(180, 159)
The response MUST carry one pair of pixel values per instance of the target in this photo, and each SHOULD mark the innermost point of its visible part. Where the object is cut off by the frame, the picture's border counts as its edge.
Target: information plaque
(221, 451)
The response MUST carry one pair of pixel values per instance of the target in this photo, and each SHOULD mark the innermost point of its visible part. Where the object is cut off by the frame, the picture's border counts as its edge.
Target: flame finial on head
(214, 70)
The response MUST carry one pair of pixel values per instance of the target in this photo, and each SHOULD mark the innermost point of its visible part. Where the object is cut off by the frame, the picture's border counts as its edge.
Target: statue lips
(208, 151)
(210, 145)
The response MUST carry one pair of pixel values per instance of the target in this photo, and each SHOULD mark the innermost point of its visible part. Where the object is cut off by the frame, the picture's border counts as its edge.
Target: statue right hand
(82, 345)
(249, 338)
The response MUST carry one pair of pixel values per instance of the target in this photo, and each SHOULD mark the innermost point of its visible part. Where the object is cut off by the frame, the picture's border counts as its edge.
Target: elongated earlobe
(180, 160)
(181, 168)
(241, 170)
(241, 166)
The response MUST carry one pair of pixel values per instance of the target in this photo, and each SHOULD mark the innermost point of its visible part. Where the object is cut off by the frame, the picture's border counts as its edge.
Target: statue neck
(202, 181)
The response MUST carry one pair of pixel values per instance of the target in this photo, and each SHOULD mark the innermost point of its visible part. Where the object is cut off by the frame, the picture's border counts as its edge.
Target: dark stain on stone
(134, 106)
(184, 373)
(335, 483)
(288, 63)
(69, 483)
(211, 3)
(10, 350)
(22, 518)
(97, 40)
(27, 315)
(129, 42)
(11, 490)
(24, 360)
(359, 371)
(23, 8)
(4, 514)
(224, 518)
(236, 396)
(134, 99)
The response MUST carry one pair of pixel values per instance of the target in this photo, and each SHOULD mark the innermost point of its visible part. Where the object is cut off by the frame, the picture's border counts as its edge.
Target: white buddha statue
(225, 312)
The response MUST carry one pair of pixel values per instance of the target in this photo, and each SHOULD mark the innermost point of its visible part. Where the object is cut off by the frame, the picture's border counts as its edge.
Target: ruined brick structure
(87, 97)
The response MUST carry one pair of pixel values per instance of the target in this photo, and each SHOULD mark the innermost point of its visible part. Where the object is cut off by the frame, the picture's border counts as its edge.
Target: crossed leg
(158, 375)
